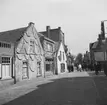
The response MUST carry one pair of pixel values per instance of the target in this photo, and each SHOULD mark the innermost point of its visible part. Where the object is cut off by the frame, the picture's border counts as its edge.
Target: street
(77, 88)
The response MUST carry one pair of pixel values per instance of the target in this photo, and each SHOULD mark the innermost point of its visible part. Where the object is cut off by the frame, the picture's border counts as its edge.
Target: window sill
(7, 78)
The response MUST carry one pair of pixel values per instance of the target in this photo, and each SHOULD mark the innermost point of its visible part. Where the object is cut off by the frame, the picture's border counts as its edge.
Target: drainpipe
(44, 64)
(14, 66)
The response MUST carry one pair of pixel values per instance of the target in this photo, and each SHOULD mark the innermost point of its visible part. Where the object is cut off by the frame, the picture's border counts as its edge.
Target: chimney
(59, 28)
(64, 38)
(60, 35)
(48, 31)
(99, 38)
(102, 30)
(31, 23)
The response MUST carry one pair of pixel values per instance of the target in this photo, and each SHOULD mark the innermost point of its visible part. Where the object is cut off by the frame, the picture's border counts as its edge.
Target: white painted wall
(61, 48)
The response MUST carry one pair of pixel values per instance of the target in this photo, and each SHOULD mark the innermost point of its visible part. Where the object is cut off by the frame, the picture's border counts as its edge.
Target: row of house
(98, 49)
(26, 53)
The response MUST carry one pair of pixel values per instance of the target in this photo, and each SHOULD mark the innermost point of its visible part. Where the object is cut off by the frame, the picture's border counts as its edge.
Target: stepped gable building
(21, 54)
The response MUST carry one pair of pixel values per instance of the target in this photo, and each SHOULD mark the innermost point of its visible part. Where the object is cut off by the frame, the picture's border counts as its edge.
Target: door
(62, 67)
(6, 67)
(39, 70)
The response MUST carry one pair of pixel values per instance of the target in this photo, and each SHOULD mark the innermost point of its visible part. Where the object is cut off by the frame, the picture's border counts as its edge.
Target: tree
(86, 58)
(79, 58)
(70, 58)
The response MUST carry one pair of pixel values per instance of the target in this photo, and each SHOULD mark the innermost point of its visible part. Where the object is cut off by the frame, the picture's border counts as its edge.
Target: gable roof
(42, 37)
(99, 45)
(95, 44)
(54, 34)
(51, 30)
(12, 36)
(57, 46)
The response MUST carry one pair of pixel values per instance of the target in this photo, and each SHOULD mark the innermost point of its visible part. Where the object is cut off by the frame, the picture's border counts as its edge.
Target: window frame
(49, 47)
(9, 62)
(5, 45)
(32, 46)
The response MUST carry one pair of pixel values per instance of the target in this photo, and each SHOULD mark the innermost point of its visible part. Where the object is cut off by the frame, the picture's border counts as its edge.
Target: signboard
(99, 56)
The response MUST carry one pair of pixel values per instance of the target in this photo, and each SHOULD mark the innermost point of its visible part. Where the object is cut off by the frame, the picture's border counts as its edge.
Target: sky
(79, 19)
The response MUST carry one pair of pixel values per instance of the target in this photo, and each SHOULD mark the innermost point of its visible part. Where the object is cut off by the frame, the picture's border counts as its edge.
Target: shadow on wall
(57, 92)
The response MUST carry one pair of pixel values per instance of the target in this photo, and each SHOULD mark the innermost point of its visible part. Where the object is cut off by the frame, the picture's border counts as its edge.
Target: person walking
(72, 67)
(80, 67)
(96, 68)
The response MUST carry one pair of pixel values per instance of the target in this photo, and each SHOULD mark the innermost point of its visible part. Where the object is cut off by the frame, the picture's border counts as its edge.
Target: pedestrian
(96, 68)
(99, 66)
(105, 68)
(80, 67)
(72, 68)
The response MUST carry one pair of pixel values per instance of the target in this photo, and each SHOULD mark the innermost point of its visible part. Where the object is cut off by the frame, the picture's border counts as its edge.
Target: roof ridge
(13, 30)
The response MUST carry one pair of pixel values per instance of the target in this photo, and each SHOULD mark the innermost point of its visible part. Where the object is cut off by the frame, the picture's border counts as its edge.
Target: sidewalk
(27, 86)
(21, 88)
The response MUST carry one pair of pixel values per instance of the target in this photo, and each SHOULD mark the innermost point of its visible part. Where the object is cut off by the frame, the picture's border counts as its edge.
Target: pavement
(75, 88)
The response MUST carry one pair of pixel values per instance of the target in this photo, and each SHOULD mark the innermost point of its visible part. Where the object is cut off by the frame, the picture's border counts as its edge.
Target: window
(6, 60)
(63, 56)
(49, 47)
(60, 55)
(5, 45)
(25, 70)
(32, 50)
(39, 68)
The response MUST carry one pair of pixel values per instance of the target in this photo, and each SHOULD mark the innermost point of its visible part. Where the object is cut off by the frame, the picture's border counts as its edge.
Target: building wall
(57, 35)
(7, 51)
(25, 53)
(59, 62)
(49, 48)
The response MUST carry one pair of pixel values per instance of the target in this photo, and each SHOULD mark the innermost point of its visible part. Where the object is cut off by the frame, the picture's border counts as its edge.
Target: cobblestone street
(77, 88)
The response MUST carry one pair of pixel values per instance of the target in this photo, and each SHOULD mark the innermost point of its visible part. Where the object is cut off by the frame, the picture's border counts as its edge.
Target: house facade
(49, 50)
(6, 60)
(98, 50)
(61, 59)
(57, 36)
(28, 54)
